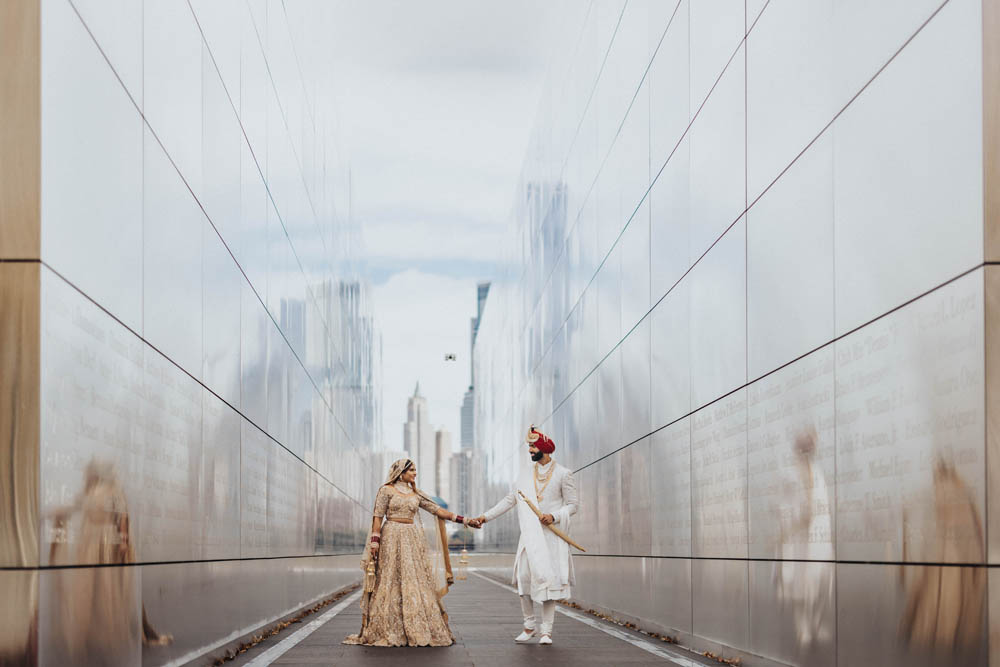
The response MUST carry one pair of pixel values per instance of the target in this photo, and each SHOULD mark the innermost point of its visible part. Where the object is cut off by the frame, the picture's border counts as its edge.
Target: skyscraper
(442, 466)
(418, 437)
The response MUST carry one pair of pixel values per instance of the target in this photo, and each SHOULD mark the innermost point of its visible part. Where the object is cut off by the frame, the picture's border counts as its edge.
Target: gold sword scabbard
(561, 535)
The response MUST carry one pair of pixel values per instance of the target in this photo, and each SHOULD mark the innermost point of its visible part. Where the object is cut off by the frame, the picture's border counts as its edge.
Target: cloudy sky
(439, 99)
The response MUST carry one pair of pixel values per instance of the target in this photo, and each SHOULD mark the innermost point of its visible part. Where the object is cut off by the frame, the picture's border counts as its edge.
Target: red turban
(540, 440)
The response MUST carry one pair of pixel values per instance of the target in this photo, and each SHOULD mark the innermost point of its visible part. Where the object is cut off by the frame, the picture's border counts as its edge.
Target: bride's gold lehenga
(405, 608)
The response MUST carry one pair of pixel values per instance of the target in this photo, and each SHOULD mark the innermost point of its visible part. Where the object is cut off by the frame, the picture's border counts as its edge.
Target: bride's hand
(374, 549)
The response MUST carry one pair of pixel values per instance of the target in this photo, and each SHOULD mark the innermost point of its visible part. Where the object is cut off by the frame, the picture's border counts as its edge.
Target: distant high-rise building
(468, 433)
(442, 465)
(418, 438)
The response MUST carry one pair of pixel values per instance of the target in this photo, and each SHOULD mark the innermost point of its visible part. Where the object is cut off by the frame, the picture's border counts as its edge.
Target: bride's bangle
(459, 519)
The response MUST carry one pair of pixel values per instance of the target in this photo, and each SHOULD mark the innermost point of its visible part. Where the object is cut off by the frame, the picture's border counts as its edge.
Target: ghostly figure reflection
(18, 618)
(93, 610)
(805, 525)
(944, 608)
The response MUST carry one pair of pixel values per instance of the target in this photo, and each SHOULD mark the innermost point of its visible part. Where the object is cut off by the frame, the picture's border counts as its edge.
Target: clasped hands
(478, 522)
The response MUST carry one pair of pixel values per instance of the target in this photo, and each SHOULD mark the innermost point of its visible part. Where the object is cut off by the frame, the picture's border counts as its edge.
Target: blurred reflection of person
(945, 604)
(19, 619)
(805, 525)
(95, 606)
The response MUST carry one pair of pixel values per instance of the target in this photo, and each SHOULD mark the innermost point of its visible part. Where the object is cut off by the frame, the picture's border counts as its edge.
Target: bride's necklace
(403, 488)
(544, 478)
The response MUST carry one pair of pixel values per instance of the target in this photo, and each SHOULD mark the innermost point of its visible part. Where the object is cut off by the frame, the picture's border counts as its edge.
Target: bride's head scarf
(434, 532)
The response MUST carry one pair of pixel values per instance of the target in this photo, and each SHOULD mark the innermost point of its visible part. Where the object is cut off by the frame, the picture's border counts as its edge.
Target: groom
(543, 567)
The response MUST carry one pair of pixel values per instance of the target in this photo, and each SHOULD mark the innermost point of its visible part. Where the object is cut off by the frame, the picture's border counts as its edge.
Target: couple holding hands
(406, 575)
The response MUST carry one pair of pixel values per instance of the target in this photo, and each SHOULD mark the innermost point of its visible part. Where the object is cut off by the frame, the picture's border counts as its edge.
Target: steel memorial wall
(188, 364)
(751, 296)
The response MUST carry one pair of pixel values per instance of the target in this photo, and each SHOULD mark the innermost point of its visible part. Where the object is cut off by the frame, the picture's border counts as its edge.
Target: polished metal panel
(635, 259)
(911, 615)
(909, 427)
(790, 86)
(790, 261)
(172, 84)
(219, 479)
(905, 133)
(254, 454)
(635, 384)
(93, 391)
(638, 472)
(720, 594)
(670, 223)
(74, 628)
(792, 612)
(719, 478)
(253, 87)
(92, 147)
(670, 357)
(117, 28)
(171, 415)
(254, 327)
(222, 141)
(868, 36)
(221, 319)
(215, 18)
(718, 153)
(609, 404)
(791, 466)
(718, 319)
(278, 375)
(670, 489)
(607, 474)
(716, 32)
(607, 290)
(250, 246)
(668, 78)
(20, 322)
(670, 588)
(172, 261)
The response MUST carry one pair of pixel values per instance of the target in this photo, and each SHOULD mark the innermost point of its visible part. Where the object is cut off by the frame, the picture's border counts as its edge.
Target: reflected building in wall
(750, 294)
(190, 369)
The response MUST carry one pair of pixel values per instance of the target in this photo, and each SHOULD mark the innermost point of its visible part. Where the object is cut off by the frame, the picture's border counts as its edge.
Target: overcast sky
(439, 99)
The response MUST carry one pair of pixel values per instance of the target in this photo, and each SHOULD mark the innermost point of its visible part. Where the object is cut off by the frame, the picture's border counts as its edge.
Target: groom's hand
(477, 522)
(548, 519)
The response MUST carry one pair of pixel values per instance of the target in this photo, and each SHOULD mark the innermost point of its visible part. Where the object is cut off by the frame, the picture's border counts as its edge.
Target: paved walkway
(485, 616)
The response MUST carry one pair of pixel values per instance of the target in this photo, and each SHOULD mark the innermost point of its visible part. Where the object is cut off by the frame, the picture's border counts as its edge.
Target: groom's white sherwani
(543, 566)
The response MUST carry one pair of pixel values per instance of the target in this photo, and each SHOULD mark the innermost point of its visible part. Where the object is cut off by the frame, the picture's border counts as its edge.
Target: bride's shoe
(546, 639)
(525, 635)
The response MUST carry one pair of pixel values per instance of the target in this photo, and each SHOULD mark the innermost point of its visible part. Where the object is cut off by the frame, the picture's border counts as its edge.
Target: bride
(402, 604)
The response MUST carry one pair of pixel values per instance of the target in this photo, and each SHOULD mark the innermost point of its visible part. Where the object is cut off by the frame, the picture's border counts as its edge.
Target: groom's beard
(537, 456)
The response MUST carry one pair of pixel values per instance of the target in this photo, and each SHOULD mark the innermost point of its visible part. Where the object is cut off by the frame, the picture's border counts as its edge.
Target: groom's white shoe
(526, 635)
(546, 639)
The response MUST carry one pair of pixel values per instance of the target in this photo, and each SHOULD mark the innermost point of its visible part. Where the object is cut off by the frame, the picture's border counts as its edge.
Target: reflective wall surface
(747, 298)
(190, 377)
